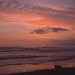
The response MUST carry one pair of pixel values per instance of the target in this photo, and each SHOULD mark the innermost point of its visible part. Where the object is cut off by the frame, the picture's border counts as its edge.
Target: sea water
(21, 59)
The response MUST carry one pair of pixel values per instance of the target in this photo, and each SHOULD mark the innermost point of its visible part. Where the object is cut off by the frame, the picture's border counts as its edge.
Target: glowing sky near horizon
(37, 22)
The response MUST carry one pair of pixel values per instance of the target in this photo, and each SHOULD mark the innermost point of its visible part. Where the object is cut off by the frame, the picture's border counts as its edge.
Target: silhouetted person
(58, 67)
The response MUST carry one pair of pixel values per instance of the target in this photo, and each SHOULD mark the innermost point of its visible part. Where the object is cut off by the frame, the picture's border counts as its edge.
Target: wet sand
(61, 71)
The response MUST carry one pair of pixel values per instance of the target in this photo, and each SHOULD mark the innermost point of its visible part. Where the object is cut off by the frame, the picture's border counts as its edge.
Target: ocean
(21, 59)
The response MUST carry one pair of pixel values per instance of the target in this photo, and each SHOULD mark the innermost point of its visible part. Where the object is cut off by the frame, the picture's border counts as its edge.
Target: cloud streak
(69, 42)
(67, 15)
(24, 8)
(29, 7)
(48, 29)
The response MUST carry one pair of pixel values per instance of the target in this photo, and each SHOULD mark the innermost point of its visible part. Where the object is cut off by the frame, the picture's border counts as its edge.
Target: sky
(37, 22)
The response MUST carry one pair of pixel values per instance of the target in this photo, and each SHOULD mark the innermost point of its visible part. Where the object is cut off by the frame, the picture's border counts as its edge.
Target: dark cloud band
(48, 29)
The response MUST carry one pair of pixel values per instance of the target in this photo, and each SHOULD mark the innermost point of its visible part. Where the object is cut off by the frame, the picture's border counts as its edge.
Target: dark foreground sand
(62, 71)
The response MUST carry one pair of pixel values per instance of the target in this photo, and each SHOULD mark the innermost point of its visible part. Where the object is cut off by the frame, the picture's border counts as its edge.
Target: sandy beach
(62, 71)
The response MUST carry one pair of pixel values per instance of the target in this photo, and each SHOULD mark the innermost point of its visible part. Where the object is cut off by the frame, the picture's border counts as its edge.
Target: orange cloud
(47, 37)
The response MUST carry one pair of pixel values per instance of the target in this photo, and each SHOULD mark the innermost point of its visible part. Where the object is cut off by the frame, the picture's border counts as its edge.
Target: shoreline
(61, 71)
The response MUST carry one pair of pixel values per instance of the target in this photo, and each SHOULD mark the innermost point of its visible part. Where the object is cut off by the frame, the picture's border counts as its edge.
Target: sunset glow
(37, 37)
(33, 22)
(43, 45)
